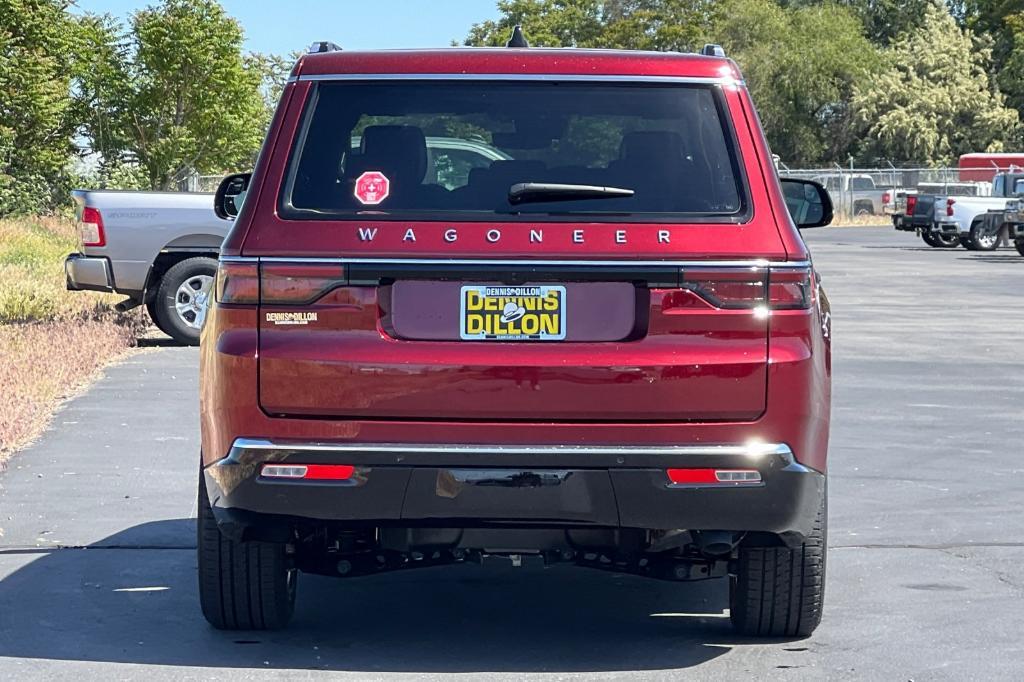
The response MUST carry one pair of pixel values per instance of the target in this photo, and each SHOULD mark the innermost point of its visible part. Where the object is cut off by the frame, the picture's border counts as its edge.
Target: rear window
(455, 149)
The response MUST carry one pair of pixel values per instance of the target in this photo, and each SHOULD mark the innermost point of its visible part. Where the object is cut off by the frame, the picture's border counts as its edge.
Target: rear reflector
(309, 472)
(714, 476)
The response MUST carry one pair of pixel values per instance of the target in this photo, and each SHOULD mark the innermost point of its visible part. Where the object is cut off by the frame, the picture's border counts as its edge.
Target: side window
(997, 186)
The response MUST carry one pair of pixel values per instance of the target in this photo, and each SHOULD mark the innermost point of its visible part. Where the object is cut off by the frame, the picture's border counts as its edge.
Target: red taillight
(911, 203)
(725, 477)
(90, 228)
(789, 289)
(949, 206)
(750, 288)
(309, 472)
(238, 283)
(298, 284)
(886, 197)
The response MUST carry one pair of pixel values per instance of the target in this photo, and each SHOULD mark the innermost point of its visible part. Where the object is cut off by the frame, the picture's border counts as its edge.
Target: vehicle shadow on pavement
(131, 598)
(157, 342)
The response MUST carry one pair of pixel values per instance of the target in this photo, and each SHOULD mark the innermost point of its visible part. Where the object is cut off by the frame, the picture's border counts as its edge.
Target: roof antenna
(517, 39)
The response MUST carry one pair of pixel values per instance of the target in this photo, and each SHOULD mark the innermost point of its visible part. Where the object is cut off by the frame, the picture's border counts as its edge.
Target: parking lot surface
(925, 566)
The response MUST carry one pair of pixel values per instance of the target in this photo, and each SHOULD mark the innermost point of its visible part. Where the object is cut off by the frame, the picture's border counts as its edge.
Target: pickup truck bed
(131, 242)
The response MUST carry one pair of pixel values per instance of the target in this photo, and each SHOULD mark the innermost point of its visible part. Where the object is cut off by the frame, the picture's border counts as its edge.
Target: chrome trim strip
(559, 77)
(752, 450)
(753, 262)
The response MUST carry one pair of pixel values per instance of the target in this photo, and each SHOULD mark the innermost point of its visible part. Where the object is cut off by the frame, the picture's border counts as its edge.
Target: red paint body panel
(695, 374)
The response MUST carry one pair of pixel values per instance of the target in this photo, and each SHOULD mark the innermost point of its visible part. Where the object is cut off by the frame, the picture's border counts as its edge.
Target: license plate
(512, 313)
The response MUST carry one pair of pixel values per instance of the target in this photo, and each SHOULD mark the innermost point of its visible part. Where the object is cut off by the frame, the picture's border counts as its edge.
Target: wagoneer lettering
(587, 331)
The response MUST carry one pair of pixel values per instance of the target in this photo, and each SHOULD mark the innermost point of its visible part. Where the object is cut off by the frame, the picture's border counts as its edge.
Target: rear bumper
(548, 486)
(88, 273)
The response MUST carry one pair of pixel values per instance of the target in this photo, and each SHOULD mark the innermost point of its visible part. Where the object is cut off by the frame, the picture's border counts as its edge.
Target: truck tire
(940, 241)
(780, 591)
(242, 585)
(978, 241)
(182, 292)
(1019, 244)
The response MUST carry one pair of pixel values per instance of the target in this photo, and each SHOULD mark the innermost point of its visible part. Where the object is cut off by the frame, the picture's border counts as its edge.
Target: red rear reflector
(911, 203)
(309, 472)
(90, 228)
(238, 283)
(949, 206)
(714, 476)
(886, 197)
(298, 284)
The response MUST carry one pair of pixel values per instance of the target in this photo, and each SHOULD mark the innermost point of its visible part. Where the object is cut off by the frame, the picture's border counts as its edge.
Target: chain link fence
(877, 191)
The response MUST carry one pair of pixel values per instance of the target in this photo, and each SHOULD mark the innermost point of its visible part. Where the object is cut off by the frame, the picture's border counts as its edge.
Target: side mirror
(227, 202)
(808, 202)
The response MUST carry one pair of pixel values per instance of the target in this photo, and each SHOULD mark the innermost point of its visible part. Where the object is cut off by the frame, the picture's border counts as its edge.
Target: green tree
(173, 93)
(37, 42)
(883, 20)
(934, 100)
(801, 66)
(801, 63)
(1002, 23)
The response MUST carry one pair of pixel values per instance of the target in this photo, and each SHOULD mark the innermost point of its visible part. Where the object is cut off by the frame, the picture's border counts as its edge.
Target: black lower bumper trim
(481, 486)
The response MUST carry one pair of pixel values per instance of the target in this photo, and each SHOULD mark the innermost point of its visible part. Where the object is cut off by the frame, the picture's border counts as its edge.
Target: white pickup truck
(977, 220)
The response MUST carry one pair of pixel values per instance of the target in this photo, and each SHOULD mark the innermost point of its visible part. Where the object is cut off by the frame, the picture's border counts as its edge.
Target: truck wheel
(242, 585)
(931, 240)
(947, 241)
(778, 591)
(181, 295)
(1019, 244)
(979, 240)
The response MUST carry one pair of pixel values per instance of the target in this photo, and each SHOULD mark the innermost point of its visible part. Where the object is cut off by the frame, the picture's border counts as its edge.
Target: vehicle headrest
(651, 144)
(400, 152)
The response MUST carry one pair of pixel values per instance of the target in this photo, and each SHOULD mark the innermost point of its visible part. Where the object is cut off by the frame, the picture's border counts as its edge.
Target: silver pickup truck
(159, 249)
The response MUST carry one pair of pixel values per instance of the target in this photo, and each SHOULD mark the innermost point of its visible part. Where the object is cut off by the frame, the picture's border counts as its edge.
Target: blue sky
(283, 27)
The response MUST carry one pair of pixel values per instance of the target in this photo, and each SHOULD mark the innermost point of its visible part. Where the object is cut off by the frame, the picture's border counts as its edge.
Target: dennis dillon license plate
(512, 313)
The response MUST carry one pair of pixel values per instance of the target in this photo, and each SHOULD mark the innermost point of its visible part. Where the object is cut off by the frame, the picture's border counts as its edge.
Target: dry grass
(862, 221)
(52, 341)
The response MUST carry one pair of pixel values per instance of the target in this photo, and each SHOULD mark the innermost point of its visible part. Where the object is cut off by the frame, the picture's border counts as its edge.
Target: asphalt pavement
(925, 566)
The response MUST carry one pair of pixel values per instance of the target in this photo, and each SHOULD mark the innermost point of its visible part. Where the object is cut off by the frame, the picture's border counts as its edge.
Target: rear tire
(931, 240)
(185, 283)
(981, 242)
(242, 585)
(778, 591)
(1019, 244)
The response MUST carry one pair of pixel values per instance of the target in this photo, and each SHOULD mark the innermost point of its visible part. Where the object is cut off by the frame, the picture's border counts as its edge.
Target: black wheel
(931, 240)
(1019, 244)
(180, 297)
(946, 241)
(979, 240)
(242, 585)
(778, 591)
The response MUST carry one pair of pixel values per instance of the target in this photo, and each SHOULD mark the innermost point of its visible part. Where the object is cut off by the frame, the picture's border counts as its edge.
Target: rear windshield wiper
(529, 192)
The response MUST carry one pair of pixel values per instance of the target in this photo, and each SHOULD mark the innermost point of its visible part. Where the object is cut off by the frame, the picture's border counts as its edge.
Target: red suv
(537, 304)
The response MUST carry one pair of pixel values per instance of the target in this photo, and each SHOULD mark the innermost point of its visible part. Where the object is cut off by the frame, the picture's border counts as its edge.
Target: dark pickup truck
(920, 218)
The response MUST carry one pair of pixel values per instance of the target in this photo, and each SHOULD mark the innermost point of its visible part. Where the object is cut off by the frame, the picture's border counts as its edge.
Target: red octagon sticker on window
(372, 187)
